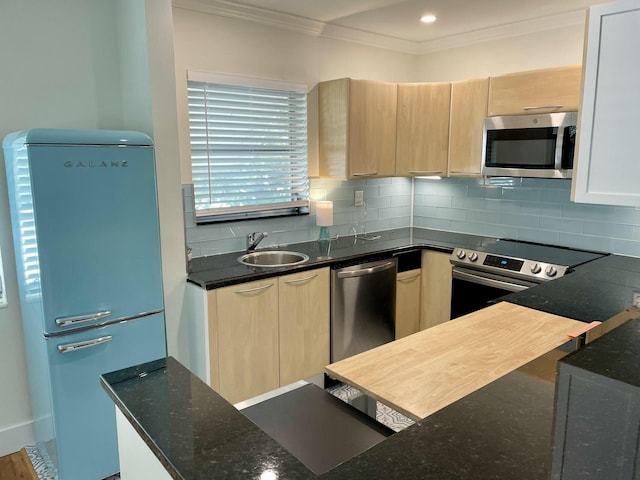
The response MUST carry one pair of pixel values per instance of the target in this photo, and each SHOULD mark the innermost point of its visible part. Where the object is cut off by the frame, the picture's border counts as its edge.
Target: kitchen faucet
(253, 239)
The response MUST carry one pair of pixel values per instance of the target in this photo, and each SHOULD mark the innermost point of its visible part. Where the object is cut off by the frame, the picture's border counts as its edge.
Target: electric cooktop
(534, 261)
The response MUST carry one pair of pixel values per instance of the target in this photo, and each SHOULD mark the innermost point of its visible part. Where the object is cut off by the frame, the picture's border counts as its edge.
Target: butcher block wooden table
(424, 372)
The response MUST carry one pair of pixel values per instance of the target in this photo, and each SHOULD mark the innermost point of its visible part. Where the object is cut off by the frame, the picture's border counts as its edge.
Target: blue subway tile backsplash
(537, 210)
(387, 206)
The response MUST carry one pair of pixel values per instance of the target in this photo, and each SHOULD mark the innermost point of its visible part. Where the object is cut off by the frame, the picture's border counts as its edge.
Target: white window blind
(28, 261)
(248, 148)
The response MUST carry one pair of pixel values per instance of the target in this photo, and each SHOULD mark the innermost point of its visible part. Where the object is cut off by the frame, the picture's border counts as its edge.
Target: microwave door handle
(559, 148)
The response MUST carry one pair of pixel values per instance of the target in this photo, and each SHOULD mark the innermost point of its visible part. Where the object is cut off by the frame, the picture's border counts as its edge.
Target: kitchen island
(503, 430)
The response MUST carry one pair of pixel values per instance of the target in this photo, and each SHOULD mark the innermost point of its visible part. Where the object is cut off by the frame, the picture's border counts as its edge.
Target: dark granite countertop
(221, 270)
(614, 355)
(501, 431)
(596, 290)
(192, 430)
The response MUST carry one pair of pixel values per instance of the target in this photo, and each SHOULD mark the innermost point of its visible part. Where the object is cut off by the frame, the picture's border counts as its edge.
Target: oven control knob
(551, 271)
(535, 268)
(461, 254)
(473, 256)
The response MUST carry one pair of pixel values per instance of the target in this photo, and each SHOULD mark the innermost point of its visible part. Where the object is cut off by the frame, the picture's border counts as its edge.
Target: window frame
(298, 169)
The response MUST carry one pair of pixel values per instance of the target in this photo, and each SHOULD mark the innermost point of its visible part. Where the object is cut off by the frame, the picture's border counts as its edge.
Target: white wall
(211, 43)
(531, 51)
(59, 70)
(86, 64)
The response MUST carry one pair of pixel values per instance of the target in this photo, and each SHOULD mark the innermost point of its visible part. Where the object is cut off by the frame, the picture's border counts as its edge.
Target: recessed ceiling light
(428, 18)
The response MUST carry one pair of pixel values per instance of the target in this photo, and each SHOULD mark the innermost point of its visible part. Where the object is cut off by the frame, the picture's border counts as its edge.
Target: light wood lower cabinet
(304, 324)
(408, 293)
(436, 289)
(268, 333)
(247, 330)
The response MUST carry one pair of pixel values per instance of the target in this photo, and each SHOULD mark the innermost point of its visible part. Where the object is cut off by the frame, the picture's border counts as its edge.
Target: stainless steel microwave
(529, 145)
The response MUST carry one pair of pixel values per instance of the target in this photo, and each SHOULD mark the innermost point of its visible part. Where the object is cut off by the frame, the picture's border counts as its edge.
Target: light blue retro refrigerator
(84, 215)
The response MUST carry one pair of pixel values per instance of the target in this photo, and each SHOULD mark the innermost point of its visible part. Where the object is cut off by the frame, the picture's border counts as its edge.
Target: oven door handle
(510, 286)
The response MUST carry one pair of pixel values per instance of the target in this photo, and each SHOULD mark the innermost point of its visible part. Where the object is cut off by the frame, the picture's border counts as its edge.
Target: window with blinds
(28, 259)
(248, 147)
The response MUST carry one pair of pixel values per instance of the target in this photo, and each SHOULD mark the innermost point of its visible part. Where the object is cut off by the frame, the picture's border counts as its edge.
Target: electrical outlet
(636, 299)
(359, 198)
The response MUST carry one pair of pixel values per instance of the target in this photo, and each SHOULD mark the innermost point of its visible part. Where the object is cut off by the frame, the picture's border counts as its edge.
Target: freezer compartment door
(84, 419)
(96, 224)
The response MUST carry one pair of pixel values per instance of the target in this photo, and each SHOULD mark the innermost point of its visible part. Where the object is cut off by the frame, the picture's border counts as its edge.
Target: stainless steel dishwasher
(363, 304)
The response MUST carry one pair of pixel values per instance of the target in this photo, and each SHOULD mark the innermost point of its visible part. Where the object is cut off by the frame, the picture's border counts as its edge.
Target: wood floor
(17, 466)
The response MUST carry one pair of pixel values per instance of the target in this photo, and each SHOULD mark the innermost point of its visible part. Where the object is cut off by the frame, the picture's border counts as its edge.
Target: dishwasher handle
(366, 271)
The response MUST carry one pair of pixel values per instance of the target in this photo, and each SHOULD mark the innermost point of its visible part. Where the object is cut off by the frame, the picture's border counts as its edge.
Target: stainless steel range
(487, 273)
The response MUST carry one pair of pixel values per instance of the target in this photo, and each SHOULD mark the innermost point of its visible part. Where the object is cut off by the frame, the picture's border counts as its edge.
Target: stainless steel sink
(273, 258)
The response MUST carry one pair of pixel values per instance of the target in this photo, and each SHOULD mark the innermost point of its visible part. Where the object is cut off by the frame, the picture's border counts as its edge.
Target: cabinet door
(372, 129)
(423, 129)
(356, 128)
(408, 302)
(468, 110)
(212, 338)
(248, 339)
(589, 443)
(333, 110)
(312, 133)
(537, 91)
(607, 167)
(436, 289)
(304, 324)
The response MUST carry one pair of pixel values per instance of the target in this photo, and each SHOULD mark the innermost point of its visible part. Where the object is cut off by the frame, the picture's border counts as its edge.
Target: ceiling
(395, 24)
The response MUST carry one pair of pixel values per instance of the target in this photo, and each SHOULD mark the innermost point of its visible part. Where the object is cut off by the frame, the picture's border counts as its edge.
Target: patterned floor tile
(43, 465)
(385, 415)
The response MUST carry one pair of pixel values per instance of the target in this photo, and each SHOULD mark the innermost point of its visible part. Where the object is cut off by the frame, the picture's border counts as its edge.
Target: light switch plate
(359, 198)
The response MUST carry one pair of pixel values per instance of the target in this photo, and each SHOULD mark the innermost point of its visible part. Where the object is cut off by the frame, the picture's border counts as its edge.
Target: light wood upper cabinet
(423, 129)
(436, 289)
(469, 99)
(607, 169)
(313, 166)
(537, 91)
(247, 327)
(304, 324)
(408, 302)
(356, 128)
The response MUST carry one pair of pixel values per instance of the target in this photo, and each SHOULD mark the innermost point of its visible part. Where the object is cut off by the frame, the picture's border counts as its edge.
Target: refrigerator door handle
(66, 321)
(72, 347)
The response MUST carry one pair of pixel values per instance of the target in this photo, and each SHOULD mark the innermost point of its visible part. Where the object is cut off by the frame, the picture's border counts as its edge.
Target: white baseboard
(14, 438)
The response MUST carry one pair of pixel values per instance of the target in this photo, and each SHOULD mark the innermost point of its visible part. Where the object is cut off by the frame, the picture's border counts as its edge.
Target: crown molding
(254, 14)
(534, 25)
(327, 30)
